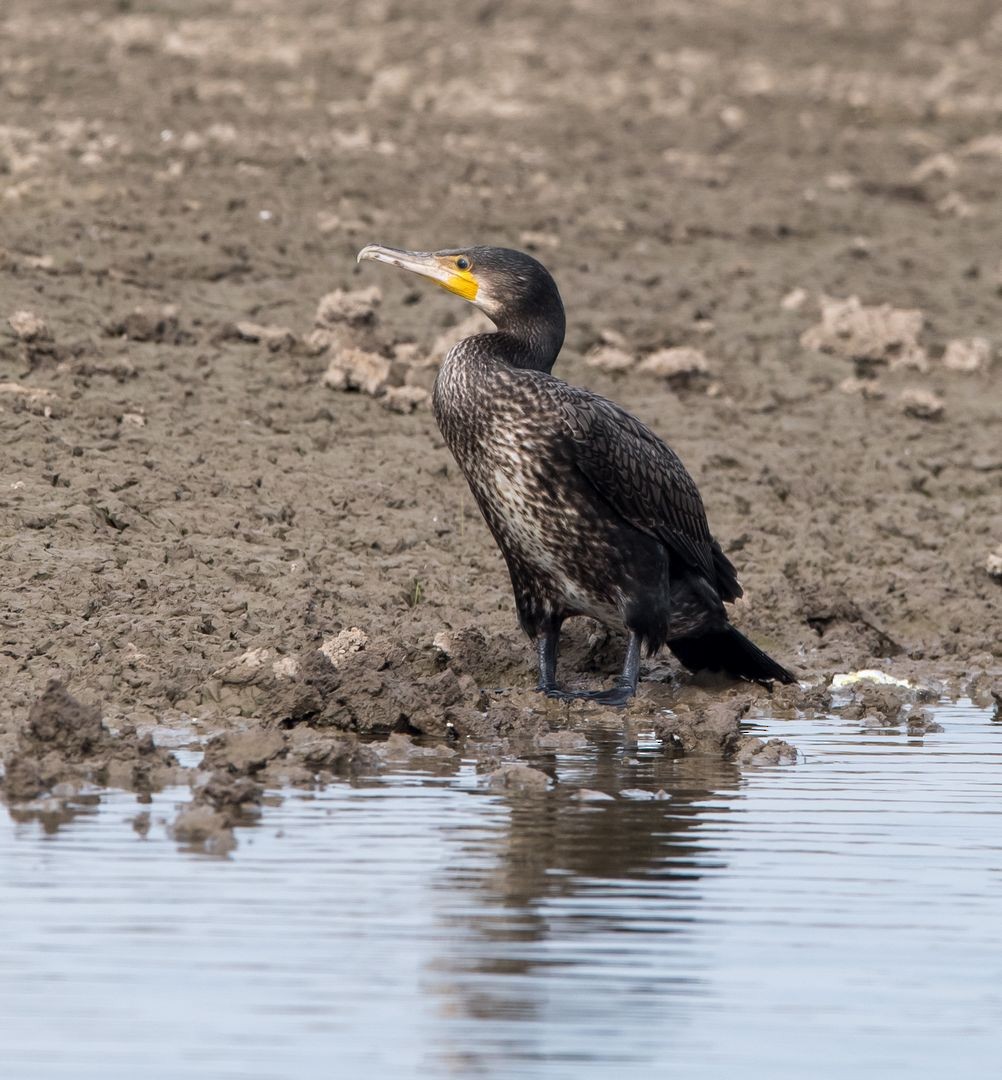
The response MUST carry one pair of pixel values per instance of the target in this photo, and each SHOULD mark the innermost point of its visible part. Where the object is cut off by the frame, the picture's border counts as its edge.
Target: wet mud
(224, 504)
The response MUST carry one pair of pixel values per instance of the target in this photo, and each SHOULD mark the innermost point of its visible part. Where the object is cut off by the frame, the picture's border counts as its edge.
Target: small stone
(967, 354)
(840, 182)
(953, 204)
(794, 300)
(274, 337)
(868, 388)
(515, 776)
(993, 563)
(28, 326)
(245, 668)
(151, 324)
(132, 419)
(205, 828)
(327, 222)
(937, 166)
(733, 117)
(338, 648)
(287, 667)
(404, 399)
(922, 404)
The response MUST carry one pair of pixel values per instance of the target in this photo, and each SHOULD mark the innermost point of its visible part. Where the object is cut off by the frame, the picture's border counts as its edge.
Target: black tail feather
(729, 650)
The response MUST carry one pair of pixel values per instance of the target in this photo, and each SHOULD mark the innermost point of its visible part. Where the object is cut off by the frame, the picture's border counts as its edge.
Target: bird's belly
(543, 531)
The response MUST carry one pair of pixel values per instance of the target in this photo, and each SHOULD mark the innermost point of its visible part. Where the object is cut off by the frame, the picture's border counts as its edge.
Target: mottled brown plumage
(594, 514)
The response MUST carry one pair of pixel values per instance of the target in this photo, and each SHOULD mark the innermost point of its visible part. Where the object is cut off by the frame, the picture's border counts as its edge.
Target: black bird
(594, 514)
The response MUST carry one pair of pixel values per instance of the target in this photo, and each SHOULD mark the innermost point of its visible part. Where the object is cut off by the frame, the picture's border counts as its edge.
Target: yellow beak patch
(462, 283)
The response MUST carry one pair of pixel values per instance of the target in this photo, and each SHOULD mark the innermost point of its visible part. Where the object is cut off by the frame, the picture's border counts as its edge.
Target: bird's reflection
(600, 894)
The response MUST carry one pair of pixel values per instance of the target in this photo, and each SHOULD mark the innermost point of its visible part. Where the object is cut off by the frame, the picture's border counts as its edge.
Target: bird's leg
(626, 684)
(546, 653)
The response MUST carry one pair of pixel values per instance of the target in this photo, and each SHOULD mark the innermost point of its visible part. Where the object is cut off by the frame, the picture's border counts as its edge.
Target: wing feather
(641, 478)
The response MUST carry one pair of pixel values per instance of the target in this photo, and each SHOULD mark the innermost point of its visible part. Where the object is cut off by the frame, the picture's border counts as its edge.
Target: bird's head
(513, 289)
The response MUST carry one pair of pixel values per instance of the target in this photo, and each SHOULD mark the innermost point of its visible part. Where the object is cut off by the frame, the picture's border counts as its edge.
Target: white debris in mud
(986, 146)
(404, 399)
(356, 369)
(274, 337)
(953, 204)
(868, 388)
(794, 300)
(286, 667)
(680, 364)
(33, 399)
(851, 678)
(244, 668)
(878, 334)
(350, 306)
(346, 328)
(967, 354)
(338, 648)
(28, 326)
(922, 404)
(610, 359)
(993, 563)
(935, 167)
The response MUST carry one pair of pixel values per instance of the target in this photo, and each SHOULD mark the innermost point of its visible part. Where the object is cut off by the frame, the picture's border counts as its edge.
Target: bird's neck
(531, 343)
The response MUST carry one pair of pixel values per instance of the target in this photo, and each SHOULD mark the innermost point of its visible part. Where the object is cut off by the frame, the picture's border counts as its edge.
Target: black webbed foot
(617, 696)
(559, 694)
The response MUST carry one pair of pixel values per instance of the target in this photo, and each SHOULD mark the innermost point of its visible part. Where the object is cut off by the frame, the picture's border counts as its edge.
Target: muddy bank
(774, 228)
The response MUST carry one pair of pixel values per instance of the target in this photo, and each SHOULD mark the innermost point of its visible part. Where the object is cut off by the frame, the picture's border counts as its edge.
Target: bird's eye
(462, 263)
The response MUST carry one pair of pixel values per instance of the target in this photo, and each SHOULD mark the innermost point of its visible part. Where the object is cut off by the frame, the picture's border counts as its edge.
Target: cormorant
(594, 514)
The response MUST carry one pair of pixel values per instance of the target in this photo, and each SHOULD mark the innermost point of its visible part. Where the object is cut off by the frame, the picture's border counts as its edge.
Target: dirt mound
(65, 742)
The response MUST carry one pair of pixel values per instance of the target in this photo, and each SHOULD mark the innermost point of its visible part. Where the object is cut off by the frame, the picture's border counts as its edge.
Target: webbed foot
(617, 696)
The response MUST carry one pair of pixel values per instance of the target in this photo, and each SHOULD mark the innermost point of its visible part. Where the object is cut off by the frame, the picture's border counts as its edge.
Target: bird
(594, 514)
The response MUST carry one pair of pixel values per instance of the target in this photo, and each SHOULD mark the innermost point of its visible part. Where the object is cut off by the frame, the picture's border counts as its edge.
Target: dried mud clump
(160, 324)
(346, 327)
(516, 778)
(352, 684)
(878, 706)
(31, 399)
(36, 342)
(871, 337)
(274, 338)
(65, 742)
(682, 367)
(993, 564)
(922, 404)
(716, 730)
(967, 355)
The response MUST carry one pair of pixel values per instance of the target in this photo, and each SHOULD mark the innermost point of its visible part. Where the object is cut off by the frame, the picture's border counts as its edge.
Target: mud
(63, 748)
(223, 499)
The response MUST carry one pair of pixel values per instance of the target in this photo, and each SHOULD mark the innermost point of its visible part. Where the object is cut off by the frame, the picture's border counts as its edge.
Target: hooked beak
(428, 265)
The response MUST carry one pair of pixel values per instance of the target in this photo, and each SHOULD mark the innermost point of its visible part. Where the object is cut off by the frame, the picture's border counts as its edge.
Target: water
(839, 917)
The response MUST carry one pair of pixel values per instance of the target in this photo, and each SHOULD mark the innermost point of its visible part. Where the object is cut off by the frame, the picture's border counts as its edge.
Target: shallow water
(834, 917)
